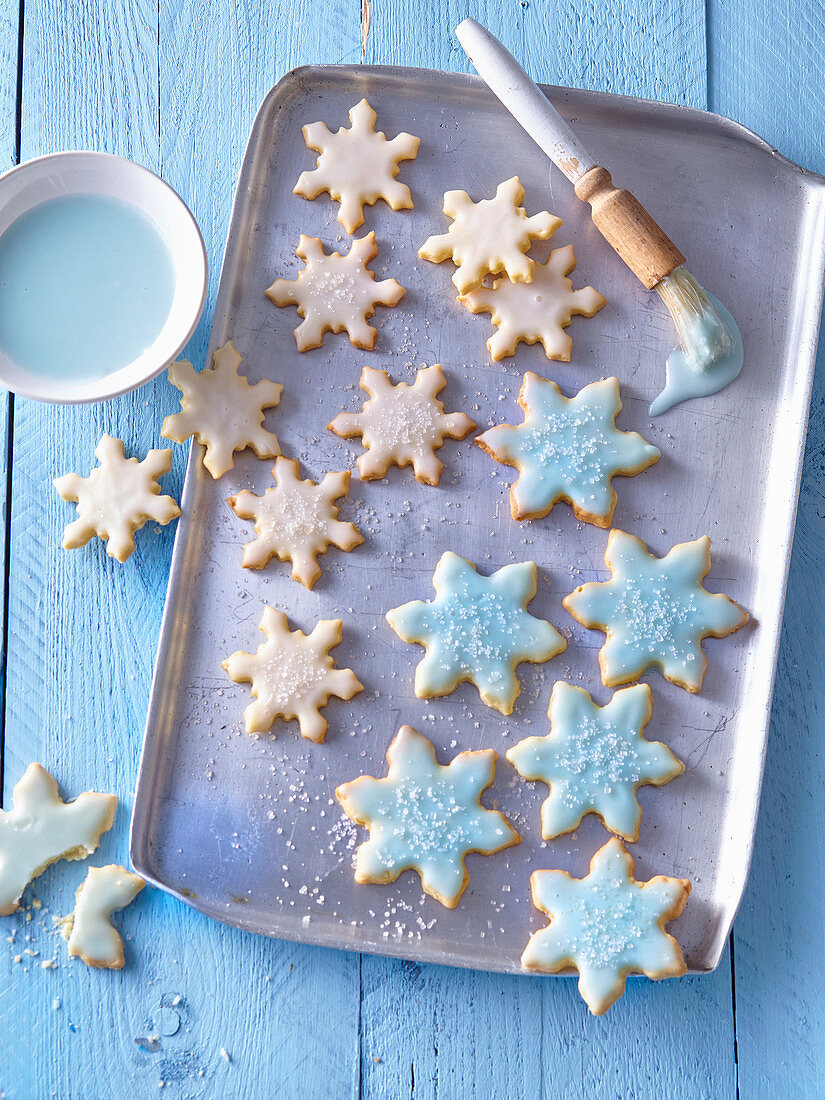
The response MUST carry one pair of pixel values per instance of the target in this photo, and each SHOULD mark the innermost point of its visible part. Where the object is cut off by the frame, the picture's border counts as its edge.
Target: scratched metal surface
(247, 829)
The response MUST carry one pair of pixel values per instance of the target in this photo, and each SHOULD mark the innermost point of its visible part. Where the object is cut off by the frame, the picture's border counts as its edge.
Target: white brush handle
(524, 100)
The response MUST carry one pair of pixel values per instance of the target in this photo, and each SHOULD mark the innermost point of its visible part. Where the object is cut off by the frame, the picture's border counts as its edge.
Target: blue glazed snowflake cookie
(477, 629)
(567, 449)
(595, 759)
(425, 816)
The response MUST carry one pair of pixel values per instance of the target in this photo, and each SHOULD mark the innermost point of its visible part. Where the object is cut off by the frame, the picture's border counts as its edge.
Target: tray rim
(140, 837)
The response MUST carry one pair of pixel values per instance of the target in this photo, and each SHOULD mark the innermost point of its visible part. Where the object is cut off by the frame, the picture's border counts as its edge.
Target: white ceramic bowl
(79, 173)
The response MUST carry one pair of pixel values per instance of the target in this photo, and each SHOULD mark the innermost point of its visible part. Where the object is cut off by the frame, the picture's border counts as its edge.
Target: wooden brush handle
(628, 228)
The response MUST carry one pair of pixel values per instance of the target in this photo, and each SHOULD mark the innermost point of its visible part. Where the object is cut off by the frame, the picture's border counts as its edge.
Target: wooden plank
(766, 72)
(174, 91)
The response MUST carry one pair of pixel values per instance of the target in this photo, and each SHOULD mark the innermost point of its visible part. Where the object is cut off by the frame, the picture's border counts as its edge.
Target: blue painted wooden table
(205, 1011)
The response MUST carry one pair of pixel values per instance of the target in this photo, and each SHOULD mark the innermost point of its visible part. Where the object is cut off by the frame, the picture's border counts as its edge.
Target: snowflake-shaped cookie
(606, 925)
(88, 928)
(292, 675)
(402, 425)
(335, 292)
(567, 449)
(489, 236)
(296, 521)
(538, 311)
(222, 410)
(654, 611)
(425, 816)
(41, 828)
(357, 166)
(477, 629)
(595, 759)
(117, 498)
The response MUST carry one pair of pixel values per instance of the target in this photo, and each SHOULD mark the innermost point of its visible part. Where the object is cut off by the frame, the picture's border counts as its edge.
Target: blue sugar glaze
(86, 285)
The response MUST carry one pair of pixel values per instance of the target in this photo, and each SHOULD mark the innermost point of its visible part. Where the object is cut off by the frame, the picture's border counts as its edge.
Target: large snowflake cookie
(489, 236)
(402, 425)
(335, 293)
(292, 675)
(117, 498)
(88, 928)
(536, 312)
(222, 410)
(357, 166)
(567, 449)
(654, 611)
(41, 828)
(595, 759)
(606, 925)
(296, 521)
(477, 629)
(425, 816)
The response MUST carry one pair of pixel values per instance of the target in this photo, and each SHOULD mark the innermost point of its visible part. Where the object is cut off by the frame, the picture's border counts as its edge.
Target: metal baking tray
(247, 829)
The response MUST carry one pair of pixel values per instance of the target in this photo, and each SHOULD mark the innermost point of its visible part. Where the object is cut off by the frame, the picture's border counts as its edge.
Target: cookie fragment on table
(222, 410)
(402, 425)
(606, 925)
(41, 828)
(88, 928)
(357, 166)
(425, 816)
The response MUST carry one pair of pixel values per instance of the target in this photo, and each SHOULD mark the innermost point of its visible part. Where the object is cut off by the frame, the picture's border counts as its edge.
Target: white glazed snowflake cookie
(595, 759)
(41, 828)
(88, 929)
(489, 236)
(296, 521)
(567, 449)
(335, 293)
(538, 311)
(292, 675)
(357, 166)
(606, 925)
(222, 410)
(402, 425)
(425, 816)
(117, 498)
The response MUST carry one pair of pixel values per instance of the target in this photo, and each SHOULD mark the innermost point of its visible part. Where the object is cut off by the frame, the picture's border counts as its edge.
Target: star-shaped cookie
(295, 521)
(425, 816)
(402, 425)
(606, 925)
(489, 236)
(567, 449)
(222, 410)
(292, 675)
(88, 928)
(117, 498)
(535, 312)
(654, 611)
(477, 629)
(595, 759)
(357, 166)
(335, 293)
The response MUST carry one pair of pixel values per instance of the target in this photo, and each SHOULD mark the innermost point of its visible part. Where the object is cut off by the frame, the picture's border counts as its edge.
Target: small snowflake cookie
(117, 498)
(595, 759)
(538, 311)
(606, 926)
(402, 425)
(88, 928)
(292, 675)
(335, 293)
(425, 817)
(654, 611)
(357, 166)
(222, 410)
(477, 629)
(296, 521)
(489, 236)
(41, 828)
(567, 449)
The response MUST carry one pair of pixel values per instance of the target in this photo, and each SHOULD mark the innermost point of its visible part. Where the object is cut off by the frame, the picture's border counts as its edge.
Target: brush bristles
(702, 330)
